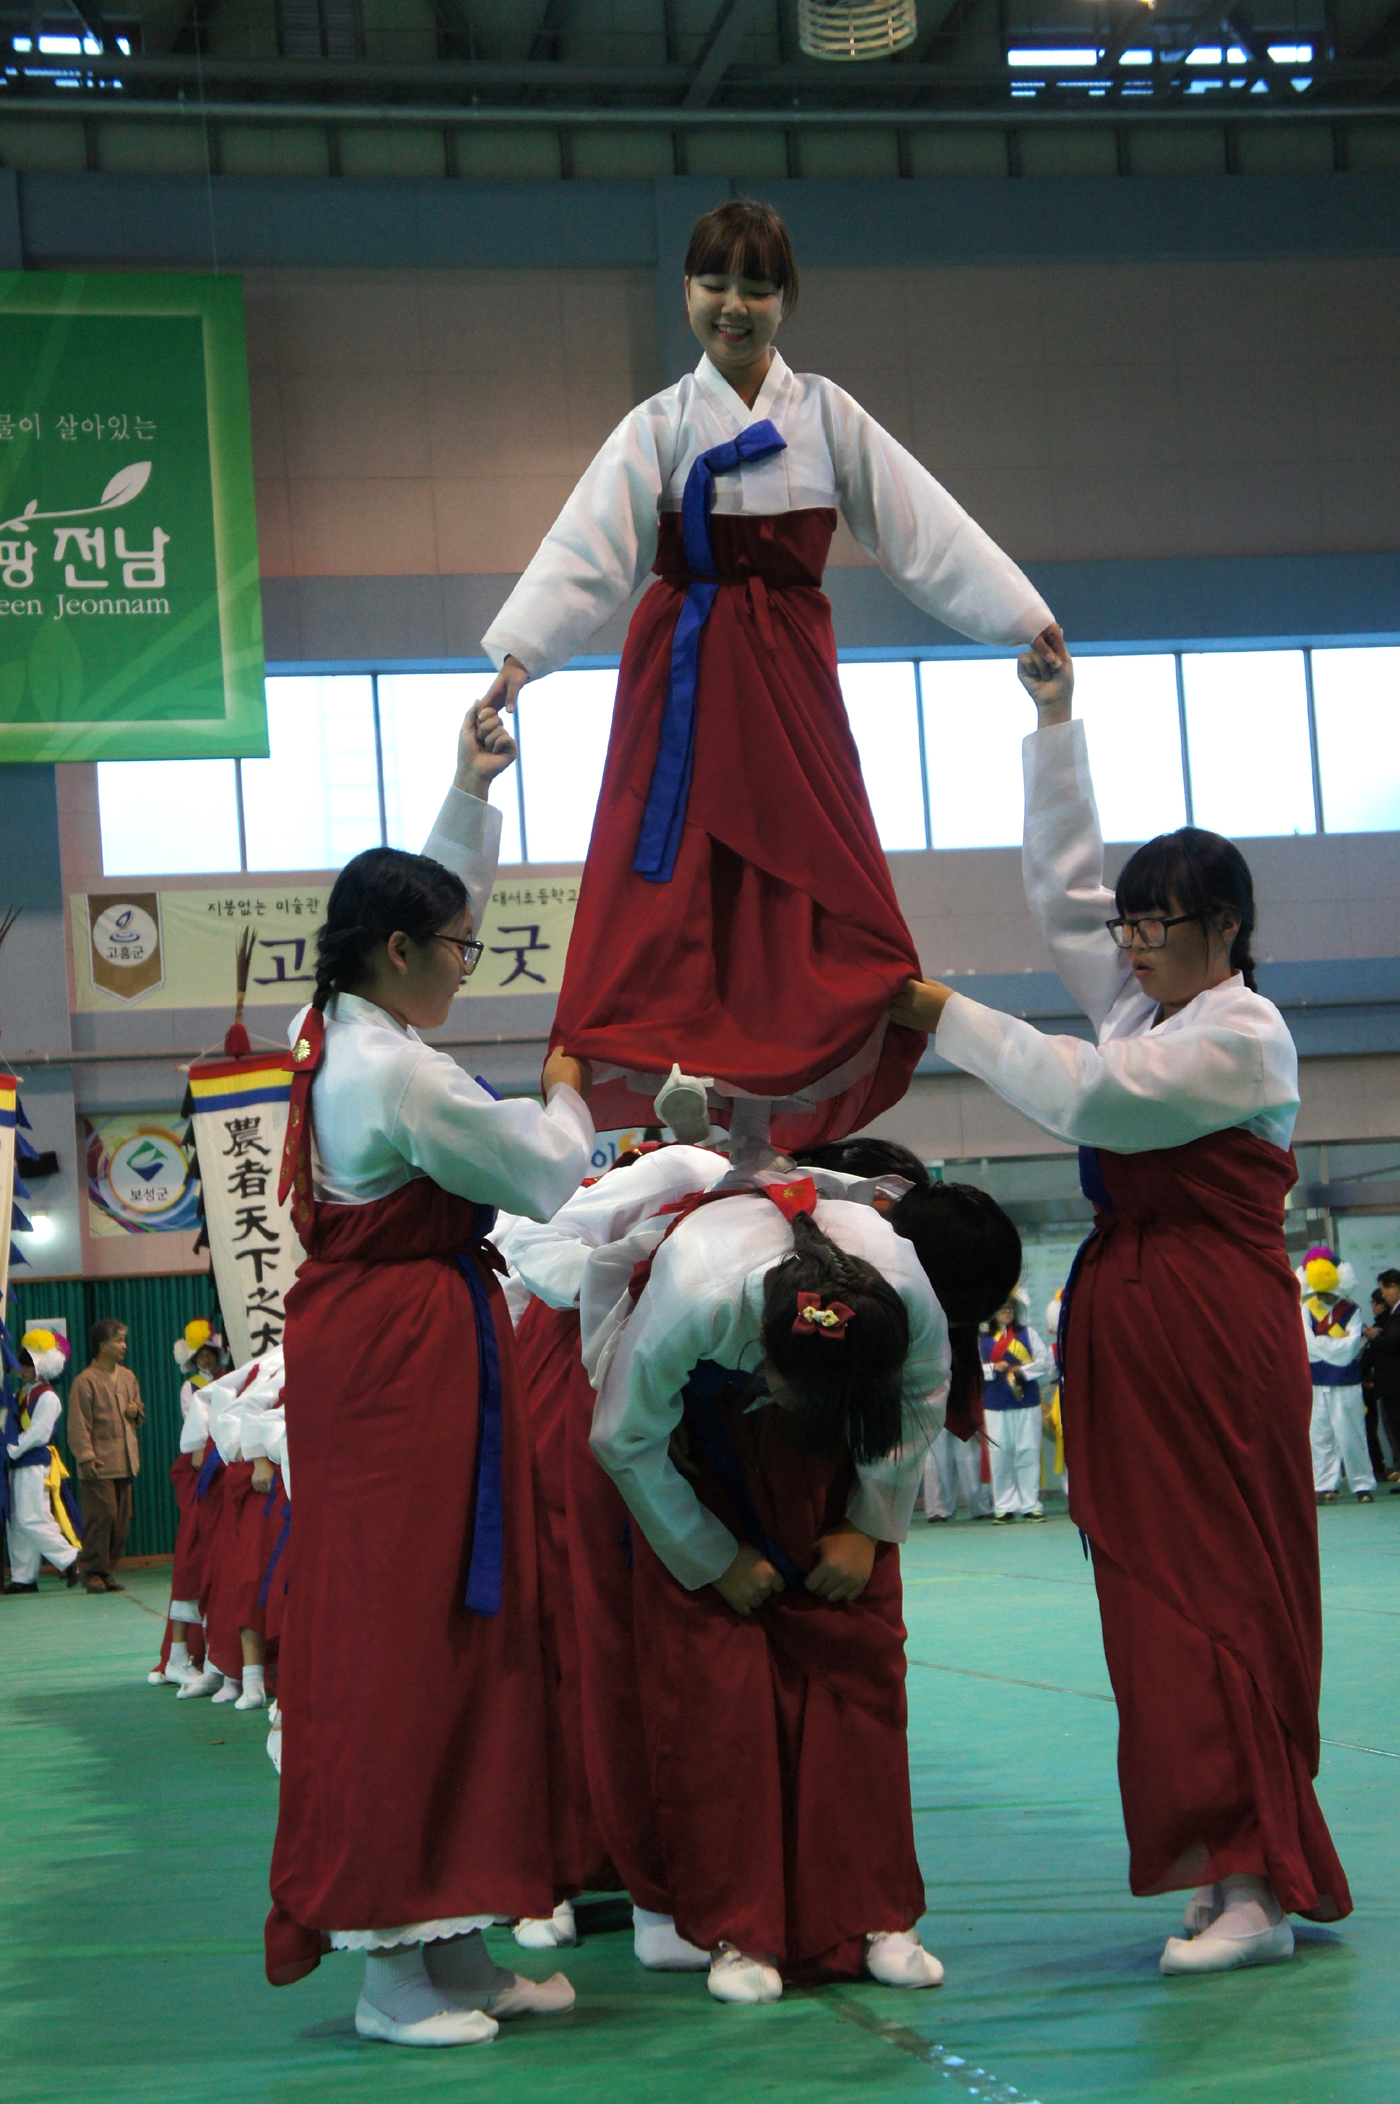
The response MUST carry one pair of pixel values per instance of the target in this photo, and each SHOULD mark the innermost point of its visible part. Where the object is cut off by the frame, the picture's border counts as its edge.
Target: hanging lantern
(856, 29)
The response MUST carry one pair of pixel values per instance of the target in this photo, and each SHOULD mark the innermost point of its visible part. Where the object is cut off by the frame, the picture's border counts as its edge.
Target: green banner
(130, 617)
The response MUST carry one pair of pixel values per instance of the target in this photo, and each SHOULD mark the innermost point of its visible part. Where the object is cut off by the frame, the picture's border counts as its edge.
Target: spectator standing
(1386, 1472)
(1384, 1358)
(105, 1413)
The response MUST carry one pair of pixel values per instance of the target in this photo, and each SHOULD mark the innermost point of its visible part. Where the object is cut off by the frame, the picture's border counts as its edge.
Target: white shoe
(169, 1676)
(231, 1691)
(1212, 1954)
(660, 1948)
(682, 1102)
(1203, 1907)
(551, 1997)
(450, 2027)
(555, 1932)
(738, 1979)
(202, 1683)
(896, 1958)
(252, 1698)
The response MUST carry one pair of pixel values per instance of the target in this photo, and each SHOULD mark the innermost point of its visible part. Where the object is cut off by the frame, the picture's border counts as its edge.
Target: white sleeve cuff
(466, 838)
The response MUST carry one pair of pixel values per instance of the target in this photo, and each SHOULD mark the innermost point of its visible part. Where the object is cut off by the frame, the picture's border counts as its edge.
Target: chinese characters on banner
(174, 949)
(130, 615)
(239, 1121)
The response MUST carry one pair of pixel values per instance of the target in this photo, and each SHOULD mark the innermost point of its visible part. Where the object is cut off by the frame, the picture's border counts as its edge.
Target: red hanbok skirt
(218, 1593)
(185, 1568)
(414, 1764)
(771, 956)
(777, 1742)
(1186, 1405)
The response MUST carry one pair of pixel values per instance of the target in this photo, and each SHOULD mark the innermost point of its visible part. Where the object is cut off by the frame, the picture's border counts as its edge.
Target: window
(356, 759)
(882, 704)
(976, 713)
(1356, 699)
(1251, 752)
(315, 801)
(161, 818)
(565, 720)
(1133, 724)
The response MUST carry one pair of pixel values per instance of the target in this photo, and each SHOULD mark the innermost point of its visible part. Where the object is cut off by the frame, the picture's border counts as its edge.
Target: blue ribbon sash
(278, 1546)
(706, 1385)
(659, 836)
(213, 1462)
(486, 1569)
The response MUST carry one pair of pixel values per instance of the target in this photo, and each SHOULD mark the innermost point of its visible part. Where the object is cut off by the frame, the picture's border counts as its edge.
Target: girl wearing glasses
(414, 1802)
(737, 918)
(1186, 1397)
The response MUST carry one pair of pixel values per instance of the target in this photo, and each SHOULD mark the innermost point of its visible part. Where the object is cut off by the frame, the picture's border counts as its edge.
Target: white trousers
(33, 1532)
(955, 1466)
(1015, 1459)
(1339, 1440)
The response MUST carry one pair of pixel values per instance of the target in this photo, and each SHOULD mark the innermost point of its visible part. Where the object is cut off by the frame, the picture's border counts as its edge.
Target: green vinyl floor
(134, 1837)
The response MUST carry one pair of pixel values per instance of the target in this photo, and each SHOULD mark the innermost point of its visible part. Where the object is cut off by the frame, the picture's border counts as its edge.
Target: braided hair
(970, 1252)
(381, 893)
(1206, 875)
(847, 1391)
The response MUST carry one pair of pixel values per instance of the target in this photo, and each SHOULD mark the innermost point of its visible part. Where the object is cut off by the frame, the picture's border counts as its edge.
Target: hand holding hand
(504, 690)
(749, 1581)
(846, 1557)
(1047, 673)
(576, 1074)
(920, 1003)
(485, 749)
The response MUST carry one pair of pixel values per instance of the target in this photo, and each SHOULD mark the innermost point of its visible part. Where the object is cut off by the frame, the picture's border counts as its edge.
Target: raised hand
(485, 749)
(1046, 672)
(504, 690)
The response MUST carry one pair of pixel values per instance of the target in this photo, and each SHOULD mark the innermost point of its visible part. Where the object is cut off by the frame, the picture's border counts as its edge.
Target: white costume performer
(32, 1532)
(705, 1302)
(1332, 1326)
(603, 543)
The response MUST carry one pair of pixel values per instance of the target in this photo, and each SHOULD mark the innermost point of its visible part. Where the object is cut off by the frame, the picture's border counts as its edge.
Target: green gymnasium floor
(134, 1835)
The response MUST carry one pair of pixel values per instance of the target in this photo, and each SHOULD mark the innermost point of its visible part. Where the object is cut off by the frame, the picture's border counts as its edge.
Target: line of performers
(684, 1657)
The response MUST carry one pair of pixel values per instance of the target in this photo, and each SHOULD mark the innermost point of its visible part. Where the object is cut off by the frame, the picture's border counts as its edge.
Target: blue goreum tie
(659, 836)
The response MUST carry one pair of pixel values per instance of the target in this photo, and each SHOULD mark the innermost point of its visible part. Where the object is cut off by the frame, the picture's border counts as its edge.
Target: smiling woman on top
(737, 917)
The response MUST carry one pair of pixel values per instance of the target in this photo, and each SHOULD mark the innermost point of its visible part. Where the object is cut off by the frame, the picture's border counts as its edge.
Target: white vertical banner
(238, 1122)
(9, 1109)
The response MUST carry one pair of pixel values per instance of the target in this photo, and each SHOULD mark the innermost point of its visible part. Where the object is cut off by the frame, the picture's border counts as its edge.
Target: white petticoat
(415, 1932)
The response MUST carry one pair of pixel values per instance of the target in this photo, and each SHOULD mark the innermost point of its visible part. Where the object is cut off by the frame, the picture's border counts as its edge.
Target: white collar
(353, 1008)
(732, 404)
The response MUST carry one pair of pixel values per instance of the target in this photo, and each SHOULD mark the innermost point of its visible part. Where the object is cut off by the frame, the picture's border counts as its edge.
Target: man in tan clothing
(104, 1411)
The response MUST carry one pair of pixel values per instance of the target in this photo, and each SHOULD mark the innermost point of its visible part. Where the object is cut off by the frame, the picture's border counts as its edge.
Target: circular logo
(148, 1173)
(124, 935)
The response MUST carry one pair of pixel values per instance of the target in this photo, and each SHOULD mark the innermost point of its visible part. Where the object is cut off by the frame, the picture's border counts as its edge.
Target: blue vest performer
(40, 1520)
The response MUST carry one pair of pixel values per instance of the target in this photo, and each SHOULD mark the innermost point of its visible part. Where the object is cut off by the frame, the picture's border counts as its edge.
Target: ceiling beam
(719, 50)
(90, 14)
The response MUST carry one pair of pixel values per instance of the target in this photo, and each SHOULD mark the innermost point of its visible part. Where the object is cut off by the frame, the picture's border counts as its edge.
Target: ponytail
(380, 893)
(847, 1389)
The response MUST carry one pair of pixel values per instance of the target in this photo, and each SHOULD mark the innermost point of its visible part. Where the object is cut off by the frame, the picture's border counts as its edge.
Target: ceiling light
(856, 29)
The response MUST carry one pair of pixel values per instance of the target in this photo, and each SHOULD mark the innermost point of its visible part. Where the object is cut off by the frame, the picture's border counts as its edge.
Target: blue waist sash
(1335, 1376)
(213, 1462)
(486, 1568)
(706, 1385)
(33, 1457)
(278, 1546)
(659, 835)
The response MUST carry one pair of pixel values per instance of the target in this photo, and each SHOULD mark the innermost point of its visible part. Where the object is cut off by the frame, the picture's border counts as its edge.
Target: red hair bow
(815, 1319)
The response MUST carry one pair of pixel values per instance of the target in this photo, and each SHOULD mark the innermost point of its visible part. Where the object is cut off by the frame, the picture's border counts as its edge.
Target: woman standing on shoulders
(414, 1804)
(1186, 1396)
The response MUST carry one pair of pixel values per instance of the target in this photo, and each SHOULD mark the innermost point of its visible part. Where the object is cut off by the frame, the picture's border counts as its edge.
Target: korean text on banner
(239, 1113)
(130, 609)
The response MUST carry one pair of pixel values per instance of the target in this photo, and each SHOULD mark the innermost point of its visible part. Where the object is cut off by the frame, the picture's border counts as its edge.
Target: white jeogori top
(604, 541)
(235, 1405)
(1225, 1060)
(704, 1300)
(386, 1108)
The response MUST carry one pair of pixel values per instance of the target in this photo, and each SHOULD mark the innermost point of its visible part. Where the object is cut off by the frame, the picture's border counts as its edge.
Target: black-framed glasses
(467, 948)
(1150, 930)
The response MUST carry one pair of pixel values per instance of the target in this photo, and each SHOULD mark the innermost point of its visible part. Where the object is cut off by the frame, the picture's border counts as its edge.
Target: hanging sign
(124, 942)
(130, 615)
(238, 1111)
(138, 1176)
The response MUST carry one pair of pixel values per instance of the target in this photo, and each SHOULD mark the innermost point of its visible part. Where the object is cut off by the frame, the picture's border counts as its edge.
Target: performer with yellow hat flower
(1332, 1324)
(38, 1522)
(200, 1355)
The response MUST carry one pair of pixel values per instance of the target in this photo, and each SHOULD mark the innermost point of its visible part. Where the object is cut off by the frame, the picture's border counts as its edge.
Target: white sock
(253, 1679)
(396, 1983)
(660, 1946)
(230, 1691)
(179, 1657)
(463, 1965)
(1251, 1906)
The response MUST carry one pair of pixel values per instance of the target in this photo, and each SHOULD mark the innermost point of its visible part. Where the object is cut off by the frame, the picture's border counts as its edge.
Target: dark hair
(380, 892)
(1205, 874)
(862, 1156)
(848, 1390)
(1389, 1278)
(102, 1332)
(26, 1358)
(748, 239)
(971, 1256)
